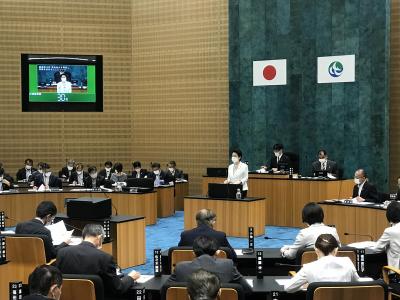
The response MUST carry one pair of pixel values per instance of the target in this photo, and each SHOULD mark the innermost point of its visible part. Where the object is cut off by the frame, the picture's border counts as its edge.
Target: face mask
(63, 79)
(277, 154)
(48, 174)
(171, 169)
(322, 160)
(70, 168)
(357, 181)
(137, 170)
(157, 172)
(116, 172)
(93, 175)
(108, 169)
(79, 172)
(235, 159)
(28, 167)
(40, 171)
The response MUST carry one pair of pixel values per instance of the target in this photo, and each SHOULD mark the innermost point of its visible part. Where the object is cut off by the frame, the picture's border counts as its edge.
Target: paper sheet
(250, 282)
(282, 281)
(59, 232)
(363, 245)
(239, 251)
(144, 278)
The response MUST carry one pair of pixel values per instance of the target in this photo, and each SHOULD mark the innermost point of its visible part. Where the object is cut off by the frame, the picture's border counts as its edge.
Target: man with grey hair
(363, 190)
(203, 285)
(87, 258)
(206, 219)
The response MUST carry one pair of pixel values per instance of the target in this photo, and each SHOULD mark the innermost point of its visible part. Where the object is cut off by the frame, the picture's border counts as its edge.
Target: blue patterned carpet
(166, 233)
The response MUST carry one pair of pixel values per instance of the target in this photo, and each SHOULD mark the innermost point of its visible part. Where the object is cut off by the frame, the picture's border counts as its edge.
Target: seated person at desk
(313, 217)
(238, 172)
(118, 175)
(158, 175)
(94, 180)
(5, 183)
(363, 190)
(6, 176)
(138, 172)
(78, 176)
(206, 219)
(173, 172)
(203, 285)
(204, 248)
(25, 172)
(45, 283)
(324, 164)
(35, 173)
(328, 267)
(45, 214)
(66, 171)
(107, 171)
(279, 161)
(87, 258)
(46, 179)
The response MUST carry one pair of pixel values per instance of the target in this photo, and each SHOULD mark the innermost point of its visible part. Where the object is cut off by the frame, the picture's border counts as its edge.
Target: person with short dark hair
(279, 161)
(138, 172)
(93, 180)
(238, 172)
(206, 219)
(363, 190)
(313, 217)
(25, 172)
(5, 182)
(87, 258)
(328, 267)
(157, 174)
(203, 285)
(66, 172)
(107, 171)
(46, 178)
(325, 165)
(45, 282)
(390, 239)
(79, 175)
(45, 214)
(205, 248)
(172, 173)
(118, 176)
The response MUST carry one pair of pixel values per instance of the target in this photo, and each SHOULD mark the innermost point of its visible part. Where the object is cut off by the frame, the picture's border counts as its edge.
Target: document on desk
(250, 282)
(59, 232)
(239, 251)
(282, 281)
(144, 278)
(363, 245)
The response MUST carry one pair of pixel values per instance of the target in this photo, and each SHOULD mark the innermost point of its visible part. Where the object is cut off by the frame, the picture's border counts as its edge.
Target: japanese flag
(269, 72)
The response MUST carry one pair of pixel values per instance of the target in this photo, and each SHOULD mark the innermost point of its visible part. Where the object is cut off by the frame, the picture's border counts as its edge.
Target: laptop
(221, 190)
(217, 172)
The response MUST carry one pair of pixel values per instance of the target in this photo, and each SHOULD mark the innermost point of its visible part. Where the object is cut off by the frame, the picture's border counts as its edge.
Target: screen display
(61, 83)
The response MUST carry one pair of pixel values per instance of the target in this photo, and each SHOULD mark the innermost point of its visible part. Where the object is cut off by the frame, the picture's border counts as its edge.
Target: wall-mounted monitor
(57, 82)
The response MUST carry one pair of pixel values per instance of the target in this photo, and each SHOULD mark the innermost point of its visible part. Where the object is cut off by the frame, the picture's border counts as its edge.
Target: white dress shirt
(390, 242)
(327, 268)
(307, 237)
(239, 173)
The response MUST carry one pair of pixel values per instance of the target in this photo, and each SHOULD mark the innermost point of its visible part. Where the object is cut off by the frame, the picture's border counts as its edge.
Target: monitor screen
(61, 82)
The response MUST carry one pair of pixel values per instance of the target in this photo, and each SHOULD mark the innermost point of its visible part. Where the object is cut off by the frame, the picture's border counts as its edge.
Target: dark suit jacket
(177, 175)
(36, 226)
(99, 181)
(153, 176)
(368, 192)
(9, 179)
(64, 171)
(284, 162)
(223, 268)
(36, 297)
(188, 237)
(74, 177)
(21, 174)
(331, 167)
(87, 259)
(103, 173)
(54, 181)
(143, 173)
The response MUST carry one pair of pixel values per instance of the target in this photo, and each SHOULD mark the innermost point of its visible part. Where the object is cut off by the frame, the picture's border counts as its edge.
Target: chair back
(308, 255)
(79, 286)
(372, 290)
(178, 254)
(178, 291)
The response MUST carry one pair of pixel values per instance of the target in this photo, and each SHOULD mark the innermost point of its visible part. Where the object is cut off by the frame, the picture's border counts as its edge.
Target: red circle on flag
(269, 72)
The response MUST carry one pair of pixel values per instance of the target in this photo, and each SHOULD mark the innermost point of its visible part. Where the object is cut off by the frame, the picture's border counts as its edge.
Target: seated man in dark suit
(138, 172)
(45, 282)
(25, 172)
(7, 179)
(78, 176)
(46, 178)
(5, 182)
(35, 173)
(279, 161)
(205, 219)
(94, 180)
(363, 190)
(87, 258)
(205, 248)
(172, 172)
(107, 171)
(157, 174)
(203, 285)
(66, 171)
(324, 164)
(45, 214)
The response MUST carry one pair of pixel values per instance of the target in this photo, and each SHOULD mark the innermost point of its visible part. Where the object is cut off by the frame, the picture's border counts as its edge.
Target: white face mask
(138, 170)
(277, 154)
(63, 79)
(157, 172)
(28, 167)
(70, 168)
(235, 159)
(357, 181)
(40, 171)
(108, 169)
(93, 175)
(322, 160)
(171, 169)
(48, 174)
(79, 172)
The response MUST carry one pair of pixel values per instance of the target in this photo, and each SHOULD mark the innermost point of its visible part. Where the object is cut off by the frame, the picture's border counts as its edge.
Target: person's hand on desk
(226, 181)
(134, 275)
(6, 182)
(359, 199)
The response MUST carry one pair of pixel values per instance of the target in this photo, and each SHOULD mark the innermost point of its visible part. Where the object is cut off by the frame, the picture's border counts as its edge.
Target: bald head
(205, 216)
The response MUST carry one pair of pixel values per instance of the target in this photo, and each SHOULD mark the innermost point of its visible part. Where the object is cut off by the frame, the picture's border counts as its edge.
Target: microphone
(359, 234)
(287, 265)
(12, 219)
(272, 238)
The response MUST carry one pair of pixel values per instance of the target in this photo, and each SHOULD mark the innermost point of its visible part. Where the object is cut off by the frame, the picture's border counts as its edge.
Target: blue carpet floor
(166, 233)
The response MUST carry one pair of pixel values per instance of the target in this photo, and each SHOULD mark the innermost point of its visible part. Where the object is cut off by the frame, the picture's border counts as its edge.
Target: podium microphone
(359, 234)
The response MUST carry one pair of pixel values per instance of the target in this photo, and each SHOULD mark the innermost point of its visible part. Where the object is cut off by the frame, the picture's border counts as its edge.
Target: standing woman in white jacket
(238, 171)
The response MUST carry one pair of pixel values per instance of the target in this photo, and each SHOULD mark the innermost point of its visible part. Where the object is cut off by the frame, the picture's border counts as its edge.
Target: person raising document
(327, 268)
(238, 171)
(363, 190)
(313, 217)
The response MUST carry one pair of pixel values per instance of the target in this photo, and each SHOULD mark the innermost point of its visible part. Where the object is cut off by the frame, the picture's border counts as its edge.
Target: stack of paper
(59, 232)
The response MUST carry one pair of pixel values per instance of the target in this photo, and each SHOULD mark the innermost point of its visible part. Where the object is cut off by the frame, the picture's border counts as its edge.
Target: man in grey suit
(205, 248)
(324, 164)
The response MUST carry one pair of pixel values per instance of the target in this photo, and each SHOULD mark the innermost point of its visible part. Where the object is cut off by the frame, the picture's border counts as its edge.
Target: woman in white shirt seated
(390, 239)
(313, 217)
(238, 172)
(328, 267)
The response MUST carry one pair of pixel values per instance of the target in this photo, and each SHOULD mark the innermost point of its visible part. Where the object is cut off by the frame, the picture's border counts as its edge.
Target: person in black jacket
(206, 219)
(138, 172)
(45, 214)
(107, 171)
(172, 172)
(78, 176)
(94, 180)
(279, 161)
(25, 172)
(158, 175)
(46, 178)
(363, 190)
(5, 181)
(45, 282)
(87, 258)
(66, 171)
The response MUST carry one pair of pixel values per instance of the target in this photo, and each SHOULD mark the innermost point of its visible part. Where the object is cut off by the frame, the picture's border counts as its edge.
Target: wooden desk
(234, 217)
(21, 206)
(356, 219)
(181, 190)
(287, 197)
(165, 201)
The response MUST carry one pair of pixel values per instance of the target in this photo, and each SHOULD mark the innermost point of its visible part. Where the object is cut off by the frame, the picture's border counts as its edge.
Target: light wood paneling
(165, 201)
(181, 190)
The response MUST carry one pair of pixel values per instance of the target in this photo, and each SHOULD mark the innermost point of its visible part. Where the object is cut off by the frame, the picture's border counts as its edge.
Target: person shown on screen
(238, 171)
(64, 86)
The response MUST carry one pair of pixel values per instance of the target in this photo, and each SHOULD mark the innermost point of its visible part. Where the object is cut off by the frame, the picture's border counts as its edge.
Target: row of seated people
(75, 174)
